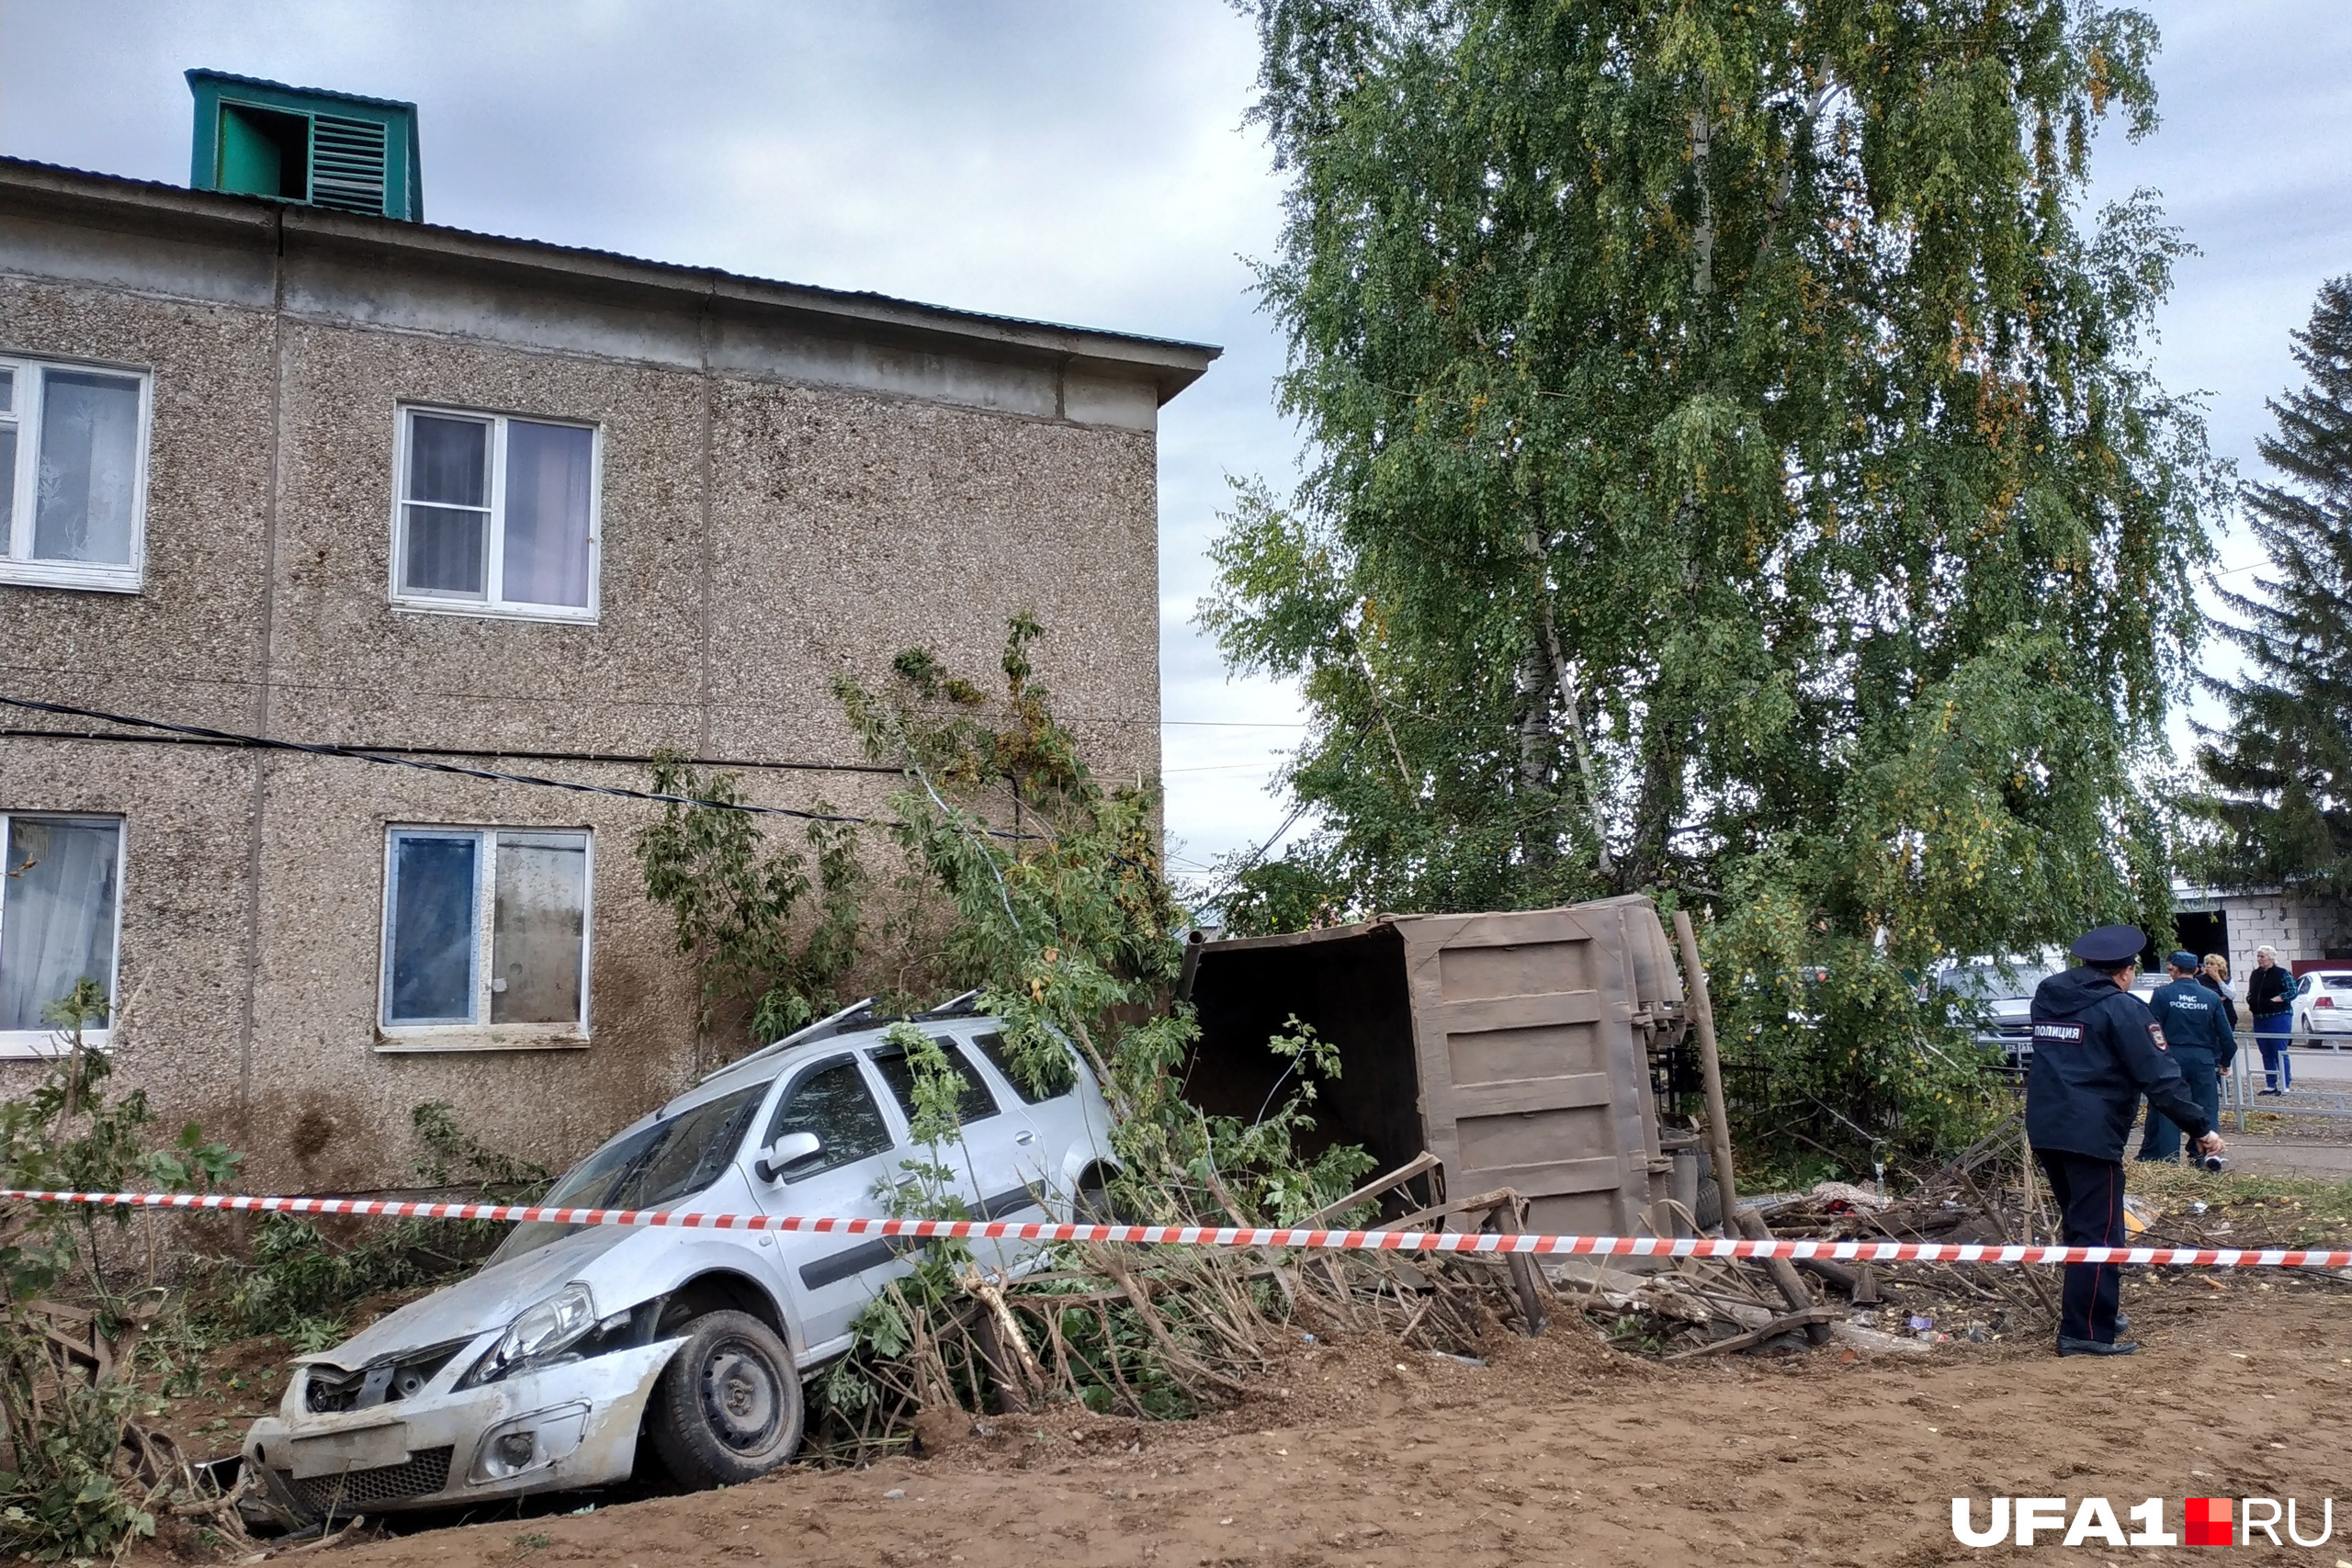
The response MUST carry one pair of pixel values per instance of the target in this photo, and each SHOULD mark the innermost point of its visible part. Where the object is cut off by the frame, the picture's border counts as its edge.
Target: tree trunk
(1538, 836)
(1703, 281)
(1538, 545)
(1572, 717)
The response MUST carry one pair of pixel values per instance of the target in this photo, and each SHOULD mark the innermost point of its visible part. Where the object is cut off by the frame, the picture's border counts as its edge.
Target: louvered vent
(347, 164)
(305, 145)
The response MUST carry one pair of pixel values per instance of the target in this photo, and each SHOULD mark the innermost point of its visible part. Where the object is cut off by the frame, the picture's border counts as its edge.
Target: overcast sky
(1074, 162)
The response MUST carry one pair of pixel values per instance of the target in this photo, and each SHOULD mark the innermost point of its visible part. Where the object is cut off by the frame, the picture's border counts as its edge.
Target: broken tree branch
(1808, 1318)
(1420, 1165)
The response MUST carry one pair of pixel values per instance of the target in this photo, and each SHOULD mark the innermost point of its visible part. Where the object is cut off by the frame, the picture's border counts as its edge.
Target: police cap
(2184, 961)
(2110, 945)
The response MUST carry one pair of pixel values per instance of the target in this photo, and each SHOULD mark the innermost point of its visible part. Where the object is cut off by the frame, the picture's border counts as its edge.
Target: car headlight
(548, 1329)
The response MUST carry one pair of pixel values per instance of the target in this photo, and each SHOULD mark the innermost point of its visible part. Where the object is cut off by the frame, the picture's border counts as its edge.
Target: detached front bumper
(559, 1427)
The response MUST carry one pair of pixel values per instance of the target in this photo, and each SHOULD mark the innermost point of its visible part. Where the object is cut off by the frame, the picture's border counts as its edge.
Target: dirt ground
(1558, 1450)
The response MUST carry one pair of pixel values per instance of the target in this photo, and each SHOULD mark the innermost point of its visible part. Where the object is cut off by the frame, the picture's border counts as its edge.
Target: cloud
(1068, 161)
(2250, 161)
(1075, 162)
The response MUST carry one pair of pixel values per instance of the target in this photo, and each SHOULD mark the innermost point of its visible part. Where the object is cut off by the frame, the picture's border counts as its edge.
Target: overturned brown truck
(1516, 1048)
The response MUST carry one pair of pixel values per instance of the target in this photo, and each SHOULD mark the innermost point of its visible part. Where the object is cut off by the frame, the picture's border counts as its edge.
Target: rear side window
(1060, 1078)
(835, 1103)
(974, 1104)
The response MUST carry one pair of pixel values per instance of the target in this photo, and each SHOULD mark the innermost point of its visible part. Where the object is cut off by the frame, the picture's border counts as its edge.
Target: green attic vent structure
(304, 144)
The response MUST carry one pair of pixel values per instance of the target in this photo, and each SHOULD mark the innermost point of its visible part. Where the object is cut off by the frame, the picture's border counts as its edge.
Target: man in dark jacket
(2270, 997)
(2097, 1050)
(2204, 1046)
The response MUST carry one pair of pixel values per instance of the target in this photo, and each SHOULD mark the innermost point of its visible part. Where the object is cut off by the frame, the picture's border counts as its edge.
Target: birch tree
(1735, 474)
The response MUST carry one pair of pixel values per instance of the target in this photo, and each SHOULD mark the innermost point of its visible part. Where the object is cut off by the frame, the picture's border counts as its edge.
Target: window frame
(972, 1073)
(492, 604)
(876, 1092)
(976, 1042)
(27, 411)
(479, 1033)
(43, 1045)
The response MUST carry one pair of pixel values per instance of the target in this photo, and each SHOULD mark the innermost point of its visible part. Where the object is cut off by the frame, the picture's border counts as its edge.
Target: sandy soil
(1560, 1451)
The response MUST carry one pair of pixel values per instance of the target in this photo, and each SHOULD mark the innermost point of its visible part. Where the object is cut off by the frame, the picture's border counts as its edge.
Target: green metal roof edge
(206, 73)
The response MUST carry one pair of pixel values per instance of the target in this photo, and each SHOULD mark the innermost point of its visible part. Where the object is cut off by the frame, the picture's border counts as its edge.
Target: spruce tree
(2283, 764)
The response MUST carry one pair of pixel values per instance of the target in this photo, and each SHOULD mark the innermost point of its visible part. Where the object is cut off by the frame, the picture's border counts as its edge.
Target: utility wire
(623, 759)
(604, 698)
(268, 743)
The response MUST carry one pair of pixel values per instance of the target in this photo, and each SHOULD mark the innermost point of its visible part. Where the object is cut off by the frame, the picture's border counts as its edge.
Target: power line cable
(624, 758)
(604, 696)
(314, 748)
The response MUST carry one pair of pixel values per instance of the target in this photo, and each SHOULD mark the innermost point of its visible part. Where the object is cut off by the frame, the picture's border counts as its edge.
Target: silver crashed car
(576, 1350)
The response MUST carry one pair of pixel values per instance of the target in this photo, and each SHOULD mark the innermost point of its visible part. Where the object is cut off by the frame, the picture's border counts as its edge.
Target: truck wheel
(727, 1409)
(1708, 1213)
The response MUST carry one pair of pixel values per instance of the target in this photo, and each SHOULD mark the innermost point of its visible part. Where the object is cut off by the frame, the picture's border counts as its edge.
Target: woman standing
(2270, 997)
(2214, 975)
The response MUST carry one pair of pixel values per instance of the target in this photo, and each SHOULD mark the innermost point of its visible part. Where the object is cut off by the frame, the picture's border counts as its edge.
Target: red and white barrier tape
(1236, 1236)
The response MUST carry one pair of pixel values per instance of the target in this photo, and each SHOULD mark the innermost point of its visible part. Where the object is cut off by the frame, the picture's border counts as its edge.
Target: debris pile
(1700, 1306)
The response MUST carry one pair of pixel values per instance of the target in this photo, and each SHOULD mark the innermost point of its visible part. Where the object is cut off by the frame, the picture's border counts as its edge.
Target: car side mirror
(793, 1148)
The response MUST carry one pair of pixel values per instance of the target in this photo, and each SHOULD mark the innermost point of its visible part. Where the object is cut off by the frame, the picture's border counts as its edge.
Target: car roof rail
(858, 1015)
(965, 1006)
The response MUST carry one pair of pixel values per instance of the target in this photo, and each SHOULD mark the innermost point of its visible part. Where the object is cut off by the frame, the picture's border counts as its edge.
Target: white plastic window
(59, 922)
(72, 474)
(485, 928)
(496, 515)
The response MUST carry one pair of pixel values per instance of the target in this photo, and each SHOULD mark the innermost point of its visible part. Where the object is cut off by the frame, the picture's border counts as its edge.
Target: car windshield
(1985, 982)
(675, 1158)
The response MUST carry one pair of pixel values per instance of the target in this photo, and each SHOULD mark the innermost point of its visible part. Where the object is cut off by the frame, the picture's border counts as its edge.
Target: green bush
(67, 1489)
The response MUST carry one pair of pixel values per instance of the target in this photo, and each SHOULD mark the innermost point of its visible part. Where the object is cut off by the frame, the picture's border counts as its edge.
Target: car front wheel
(727, 1407)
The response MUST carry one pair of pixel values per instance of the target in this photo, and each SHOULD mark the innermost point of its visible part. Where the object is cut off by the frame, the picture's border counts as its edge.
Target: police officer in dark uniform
(2097, 1049)
(2204, 1043)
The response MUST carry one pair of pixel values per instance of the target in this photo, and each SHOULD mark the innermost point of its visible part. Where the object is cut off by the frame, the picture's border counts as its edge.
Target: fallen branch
(1784, 1323)
(1420, 1165)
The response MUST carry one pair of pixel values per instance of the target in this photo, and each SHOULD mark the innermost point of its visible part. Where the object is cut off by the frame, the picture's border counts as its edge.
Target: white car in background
(577, 1348)
(2323, 1003)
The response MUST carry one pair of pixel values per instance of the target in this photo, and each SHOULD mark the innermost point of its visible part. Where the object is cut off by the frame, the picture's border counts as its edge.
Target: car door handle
(1024, 1137)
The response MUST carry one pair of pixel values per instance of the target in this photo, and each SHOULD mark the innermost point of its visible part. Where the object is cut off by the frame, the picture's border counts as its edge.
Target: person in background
(2202, 1046)
(2270, 997)
(2214, 975)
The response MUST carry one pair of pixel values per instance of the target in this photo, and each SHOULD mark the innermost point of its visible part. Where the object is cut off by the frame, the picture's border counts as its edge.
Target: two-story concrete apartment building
(278, 459)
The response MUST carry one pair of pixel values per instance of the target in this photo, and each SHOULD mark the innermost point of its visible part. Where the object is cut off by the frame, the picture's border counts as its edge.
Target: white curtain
(7, 483)
(56, 915)
(447, 506)
(548, 476)
(88, 487)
